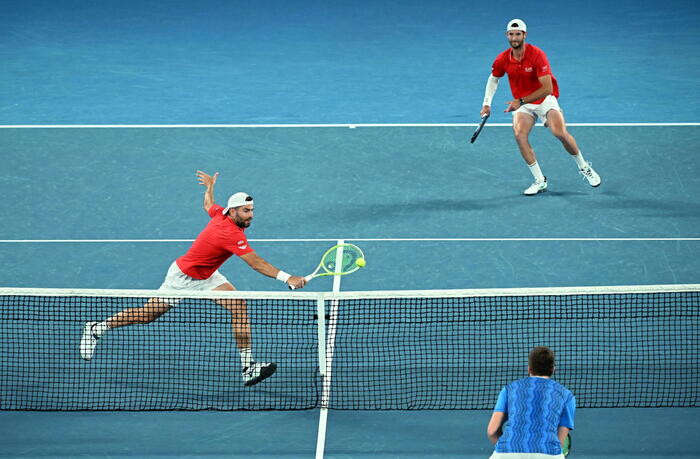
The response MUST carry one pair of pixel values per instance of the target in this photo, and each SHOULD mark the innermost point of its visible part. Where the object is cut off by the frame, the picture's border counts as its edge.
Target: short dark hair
(541, 361)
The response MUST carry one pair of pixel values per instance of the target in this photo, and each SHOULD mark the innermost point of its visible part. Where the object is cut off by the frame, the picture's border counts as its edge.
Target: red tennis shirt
(524, 75)
(220, 239)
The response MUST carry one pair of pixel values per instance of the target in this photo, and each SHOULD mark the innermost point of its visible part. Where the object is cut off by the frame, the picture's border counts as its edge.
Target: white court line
(330, 346)
(425, 239)
(330, 125)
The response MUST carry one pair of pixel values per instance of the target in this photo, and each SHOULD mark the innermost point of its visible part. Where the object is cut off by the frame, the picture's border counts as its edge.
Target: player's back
(534, 408)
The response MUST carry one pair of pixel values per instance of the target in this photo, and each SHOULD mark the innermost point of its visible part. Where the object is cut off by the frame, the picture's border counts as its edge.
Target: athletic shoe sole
(535, 194)
(264, 374)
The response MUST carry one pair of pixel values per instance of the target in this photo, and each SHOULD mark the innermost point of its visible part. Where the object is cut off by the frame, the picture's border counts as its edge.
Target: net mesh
(185, 360)
(383, 350)
(628, 350)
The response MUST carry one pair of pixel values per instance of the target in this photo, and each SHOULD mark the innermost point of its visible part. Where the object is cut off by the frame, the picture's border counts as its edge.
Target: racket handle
(306, 278)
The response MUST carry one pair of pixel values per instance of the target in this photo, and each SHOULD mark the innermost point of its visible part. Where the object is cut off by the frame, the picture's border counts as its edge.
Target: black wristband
(522, 101)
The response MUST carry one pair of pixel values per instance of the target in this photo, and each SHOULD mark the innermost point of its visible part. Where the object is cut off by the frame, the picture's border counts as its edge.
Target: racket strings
(348, 263)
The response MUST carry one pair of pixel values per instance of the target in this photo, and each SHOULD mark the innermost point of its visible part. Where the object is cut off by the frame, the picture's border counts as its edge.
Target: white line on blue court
(338, 125)
(426, 239)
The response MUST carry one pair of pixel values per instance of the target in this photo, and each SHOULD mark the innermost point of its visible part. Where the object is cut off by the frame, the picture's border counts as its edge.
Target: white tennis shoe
(536, 187)
(591, 175)
(88, 342)
(258, 371)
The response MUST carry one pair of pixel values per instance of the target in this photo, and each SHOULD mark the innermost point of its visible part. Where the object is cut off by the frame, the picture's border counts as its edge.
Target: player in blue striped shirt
(539, 413)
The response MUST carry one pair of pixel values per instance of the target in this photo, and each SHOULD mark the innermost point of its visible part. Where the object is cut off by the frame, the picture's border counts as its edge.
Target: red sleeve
(498, 69)
(214, 210)
(542, 65)
(239, 246)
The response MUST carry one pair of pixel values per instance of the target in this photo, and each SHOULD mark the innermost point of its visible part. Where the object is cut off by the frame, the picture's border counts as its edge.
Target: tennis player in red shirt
(198, 269)
(535, 92)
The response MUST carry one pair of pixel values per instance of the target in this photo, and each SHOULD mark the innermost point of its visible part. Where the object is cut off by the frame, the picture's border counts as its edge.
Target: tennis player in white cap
(198, 269)
(535, 92)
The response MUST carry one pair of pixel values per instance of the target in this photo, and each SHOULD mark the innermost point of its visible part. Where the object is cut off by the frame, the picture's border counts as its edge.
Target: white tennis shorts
(496, 455)
(540, 110)
(175, 279)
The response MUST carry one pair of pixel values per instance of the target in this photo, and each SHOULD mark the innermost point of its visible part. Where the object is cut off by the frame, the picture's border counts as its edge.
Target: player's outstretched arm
(208, 181)
(256, 262)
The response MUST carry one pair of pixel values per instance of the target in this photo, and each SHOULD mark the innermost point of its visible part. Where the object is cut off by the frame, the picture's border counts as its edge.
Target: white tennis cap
(237, 200)
(517, 24)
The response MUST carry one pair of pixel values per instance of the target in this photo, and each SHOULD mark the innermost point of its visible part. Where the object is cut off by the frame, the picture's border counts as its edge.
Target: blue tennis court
(345, 121)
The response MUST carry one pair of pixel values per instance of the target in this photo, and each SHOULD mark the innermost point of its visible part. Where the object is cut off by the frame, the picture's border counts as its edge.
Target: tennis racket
(478, 129)
(350, 256)
(566, 449)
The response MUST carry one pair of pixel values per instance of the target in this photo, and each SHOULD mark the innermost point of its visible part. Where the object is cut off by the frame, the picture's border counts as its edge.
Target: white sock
(100, 329)
(246, 357)
(536, 172)
(580, 162)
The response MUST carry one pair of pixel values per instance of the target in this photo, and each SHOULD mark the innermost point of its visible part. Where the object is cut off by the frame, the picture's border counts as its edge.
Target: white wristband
(282, 276)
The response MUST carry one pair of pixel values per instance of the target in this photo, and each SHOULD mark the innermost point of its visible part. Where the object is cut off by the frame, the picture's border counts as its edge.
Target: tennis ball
(360, 262)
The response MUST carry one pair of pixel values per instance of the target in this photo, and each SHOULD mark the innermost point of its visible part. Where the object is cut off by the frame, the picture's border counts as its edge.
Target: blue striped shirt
(535, 407)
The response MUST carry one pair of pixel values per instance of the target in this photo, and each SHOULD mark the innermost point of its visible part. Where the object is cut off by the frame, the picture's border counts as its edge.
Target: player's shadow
(561, 194)
(423, 206)
(659, 207)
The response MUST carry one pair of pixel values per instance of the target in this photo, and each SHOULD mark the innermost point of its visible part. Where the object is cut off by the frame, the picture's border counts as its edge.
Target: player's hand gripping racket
(478, 129)
(350, 256)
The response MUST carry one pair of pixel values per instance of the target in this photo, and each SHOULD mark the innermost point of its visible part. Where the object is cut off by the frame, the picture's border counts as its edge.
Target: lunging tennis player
(198, 270)
(535, 92)
(539, 411)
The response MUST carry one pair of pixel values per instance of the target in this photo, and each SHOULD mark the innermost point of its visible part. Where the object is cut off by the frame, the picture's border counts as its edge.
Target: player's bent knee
(237, 307)
(521, 132)
(521, 138)
(150, 312)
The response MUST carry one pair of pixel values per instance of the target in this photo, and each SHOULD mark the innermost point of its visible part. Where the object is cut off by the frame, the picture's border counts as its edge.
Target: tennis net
(452, 349)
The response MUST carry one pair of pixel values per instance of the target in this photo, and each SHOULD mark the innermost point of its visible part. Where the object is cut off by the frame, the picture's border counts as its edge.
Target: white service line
(326, 125)
(423, 239)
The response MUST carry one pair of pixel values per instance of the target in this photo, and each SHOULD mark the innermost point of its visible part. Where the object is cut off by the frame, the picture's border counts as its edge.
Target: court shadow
(363, 212)
(659, 207)
(562, 194)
